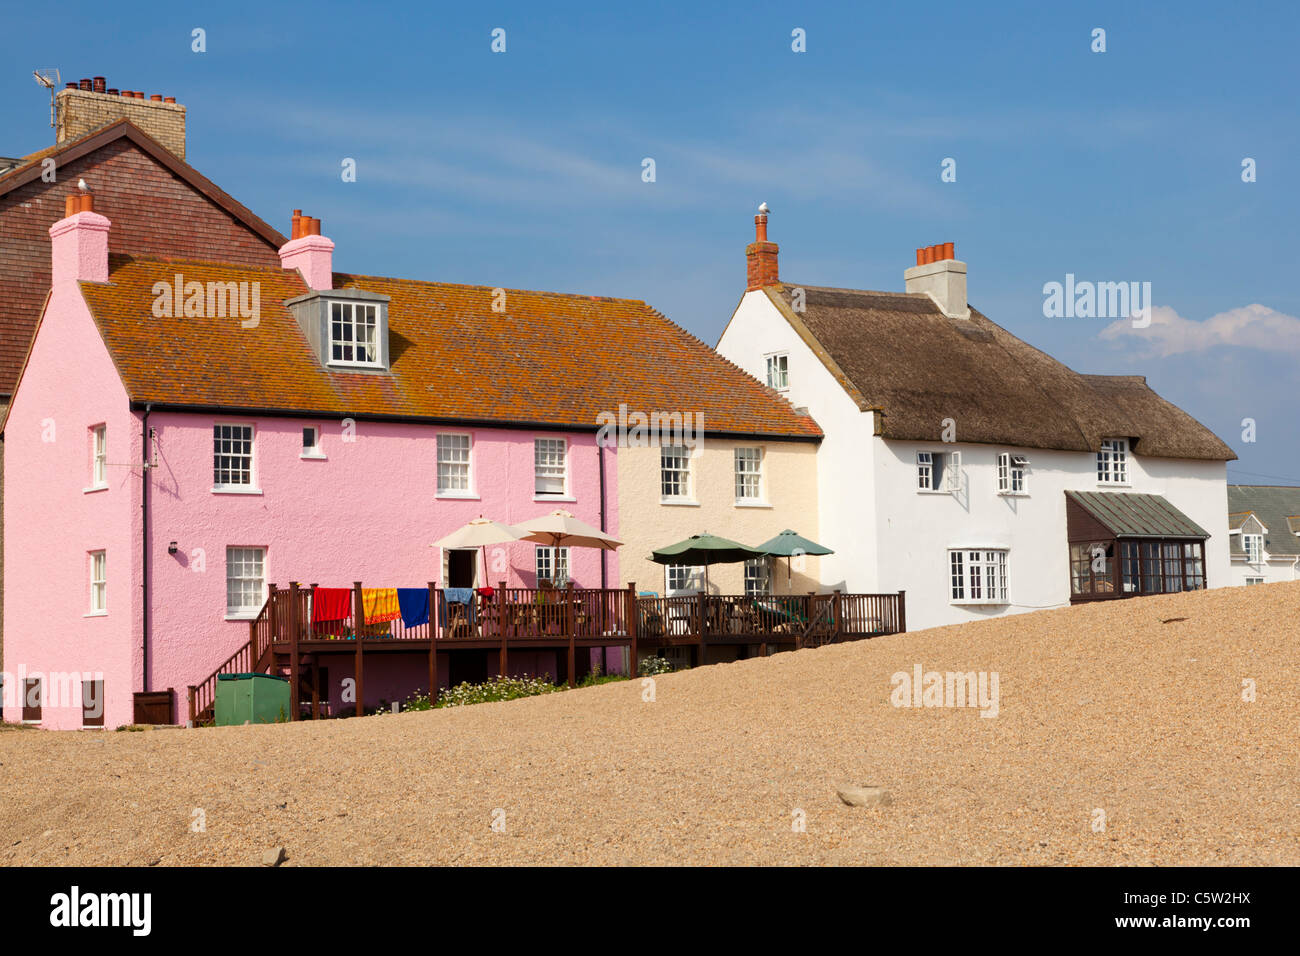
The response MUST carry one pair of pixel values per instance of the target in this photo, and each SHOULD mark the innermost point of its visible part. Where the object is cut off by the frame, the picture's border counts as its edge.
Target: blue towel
(456, 596)
(414, 603)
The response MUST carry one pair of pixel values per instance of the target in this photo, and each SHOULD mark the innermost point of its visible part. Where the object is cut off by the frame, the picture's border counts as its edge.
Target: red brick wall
(153, 213)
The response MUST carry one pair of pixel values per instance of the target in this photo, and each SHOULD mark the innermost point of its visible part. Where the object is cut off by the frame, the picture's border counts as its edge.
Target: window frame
(538, 465)
(98, 457)
(1254, 555)
(973, 572)
(780, 362)
(763, 565)
(97, 563)
(312, 452)
(690, 572)
(251, 486)
(1011, 476)
(947, 474)
(557, 562)
(468, 490)
(245, 611)
(1113, 463)
(743, 477)
(685, 471)
(351, 323)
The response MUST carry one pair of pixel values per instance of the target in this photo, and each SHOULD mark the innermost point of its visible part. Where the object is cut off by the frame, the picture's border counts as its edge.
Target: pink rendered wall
(51, 522)
(369, 512)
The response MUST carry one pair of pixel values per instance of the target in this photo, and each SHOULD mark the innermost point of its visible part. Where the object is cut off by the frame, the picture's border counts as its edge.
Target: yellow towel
(380, 604)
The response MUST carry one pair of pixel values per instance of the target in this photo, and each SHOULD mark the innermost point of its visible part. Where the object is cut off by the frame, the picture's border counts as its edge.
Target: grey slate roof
(1133, 515)
(895, 351)
(1278, 509)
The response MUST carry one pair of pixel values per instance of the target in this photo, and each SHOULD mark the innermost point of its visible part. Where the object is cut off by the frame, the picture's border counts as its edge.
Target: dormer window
(354, 334)
(346, 328)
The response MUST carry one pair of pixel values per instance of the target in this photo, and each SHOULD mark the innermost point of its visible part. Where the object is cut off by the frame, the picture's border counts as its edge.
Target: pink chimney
(309, 252)
(79, 242)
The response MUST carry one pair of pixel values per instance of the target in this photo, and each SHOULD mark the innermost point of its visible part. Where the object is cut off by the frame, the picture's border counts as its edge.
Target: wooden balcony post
(358, 625)
(194, 692)
(433, 643)
(835, 614)
(571, 620)
(272, 618)
(902, 612)
(631, 622)
(500, 598)
(294, 693)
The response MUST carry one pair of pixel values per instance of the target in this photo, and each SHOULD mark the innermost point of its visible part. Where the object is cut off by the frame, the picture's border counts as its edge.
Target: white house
(971, 470)
(1264, 527)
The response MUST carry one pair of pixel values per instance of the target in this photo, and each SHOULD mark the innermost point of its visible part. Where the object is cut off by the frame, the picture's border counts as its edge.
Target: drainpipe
(144, 546)
(600, 467)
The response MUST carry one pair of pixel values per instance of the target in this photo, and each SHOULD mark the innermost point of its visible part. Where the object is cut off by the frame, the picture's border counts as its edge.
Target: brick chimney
(760, 255)
(90, 104)
(939, 273)
(309, 252)
(79, 243)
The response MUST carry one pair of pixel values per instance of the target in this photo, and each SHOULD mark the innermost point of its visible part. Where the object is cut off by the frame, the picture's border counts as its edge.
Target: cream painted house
(746, 489)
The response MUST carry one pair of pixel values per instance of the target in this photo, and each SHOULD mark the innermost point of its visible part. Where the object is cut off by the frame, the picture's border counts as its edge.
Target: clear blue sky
(523, 169)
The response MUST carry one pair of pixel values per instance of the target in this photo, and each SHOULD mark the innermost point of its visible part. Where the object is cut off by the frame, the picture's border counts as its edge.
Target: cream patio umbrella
(479, 533)
(560, 529)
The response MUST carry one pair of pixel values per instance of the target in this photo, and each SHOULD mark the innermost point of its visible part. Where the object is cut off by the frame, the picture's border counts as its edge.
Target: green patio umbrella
(705, 549)
(789, 543)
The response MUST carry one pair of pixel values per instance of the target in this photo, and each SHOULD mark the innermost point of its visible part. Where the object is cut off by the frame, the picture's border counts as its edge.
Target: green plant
(499, 688)
(650, 666)
(596, 677)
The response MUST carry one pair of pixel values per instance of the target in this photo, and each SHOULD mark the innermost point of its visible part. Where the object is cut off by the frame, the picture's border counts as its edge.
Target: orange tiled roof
(552, 359)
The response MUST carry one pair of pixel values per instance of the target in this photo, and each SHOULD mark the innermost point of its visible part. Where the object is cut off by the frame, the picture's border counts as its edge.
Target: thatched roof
(897, 352)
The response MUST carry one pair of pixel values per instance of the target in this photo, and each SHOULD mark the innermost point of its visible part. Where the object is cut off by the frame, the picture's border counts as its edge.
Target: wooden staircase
(255, 656)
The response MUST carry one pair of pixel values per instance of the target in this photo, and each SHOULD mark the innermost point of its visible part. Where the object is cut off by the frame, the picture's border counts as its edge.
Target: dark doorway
(460, 568)
(467, 666)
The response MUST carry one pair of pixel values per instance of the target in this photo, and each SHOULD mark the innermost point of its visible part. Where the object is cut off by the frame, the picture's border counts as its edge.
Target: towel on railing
(380, 605)
(463, 596)
(331, 604)
(414, 603)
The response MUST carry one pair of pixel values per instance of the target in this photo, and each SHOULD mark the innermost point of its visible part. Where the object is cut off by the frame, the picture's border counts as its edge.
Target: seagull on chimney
(762, 207)
(83, 185)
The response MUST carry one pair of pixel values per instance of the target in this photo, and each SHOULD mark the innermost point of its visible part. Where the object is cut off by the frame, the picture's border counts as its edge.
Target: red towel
(331, 604)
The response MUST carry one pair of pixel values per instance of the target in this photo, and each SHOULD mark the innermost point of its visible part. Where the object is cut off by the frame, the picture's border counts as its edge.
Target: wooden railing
(252, 656)
(808, 620)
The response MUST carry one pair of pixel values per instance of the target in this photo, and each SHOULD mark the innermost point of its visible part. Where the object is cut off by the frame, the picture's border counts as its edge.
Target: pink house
(166, 465)
(189, 438)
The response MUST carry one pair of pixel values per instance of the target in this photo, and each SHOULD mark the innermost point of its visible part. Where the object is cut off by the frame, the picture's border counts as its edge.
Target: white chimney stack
(939, 274)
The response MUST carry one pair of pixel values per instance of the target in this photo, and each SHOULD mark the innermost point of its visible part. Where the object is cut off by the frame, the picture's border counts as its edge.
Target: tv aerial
(49, 79)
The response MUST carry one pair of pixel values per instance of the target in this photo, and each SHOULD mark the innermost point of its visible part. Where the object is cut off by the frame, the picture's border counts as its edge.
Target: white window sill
(95, 614)
(1013, 494)
(972, 603)
(236, 490)
(751, 503)
(356, 366)
(1114, 484)
(933, 491)
(545, 498)
(457, 496)
(94, 488)
(243, 615)
(312, 456)
(679, 502)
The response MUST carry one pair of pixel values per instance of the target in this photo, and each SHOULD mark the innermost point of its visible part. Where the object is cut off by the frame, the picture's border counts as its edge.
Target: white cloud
(1250, 326)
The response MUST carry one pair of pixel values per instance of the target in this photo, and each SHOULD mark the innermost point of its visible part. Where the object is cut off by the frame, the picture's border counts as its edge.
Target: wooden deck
(286, 637)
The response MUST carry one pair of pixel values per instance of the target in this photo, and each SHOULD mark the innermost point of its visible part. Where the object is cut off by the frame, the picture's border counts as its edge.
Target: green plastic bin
(251, 698)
